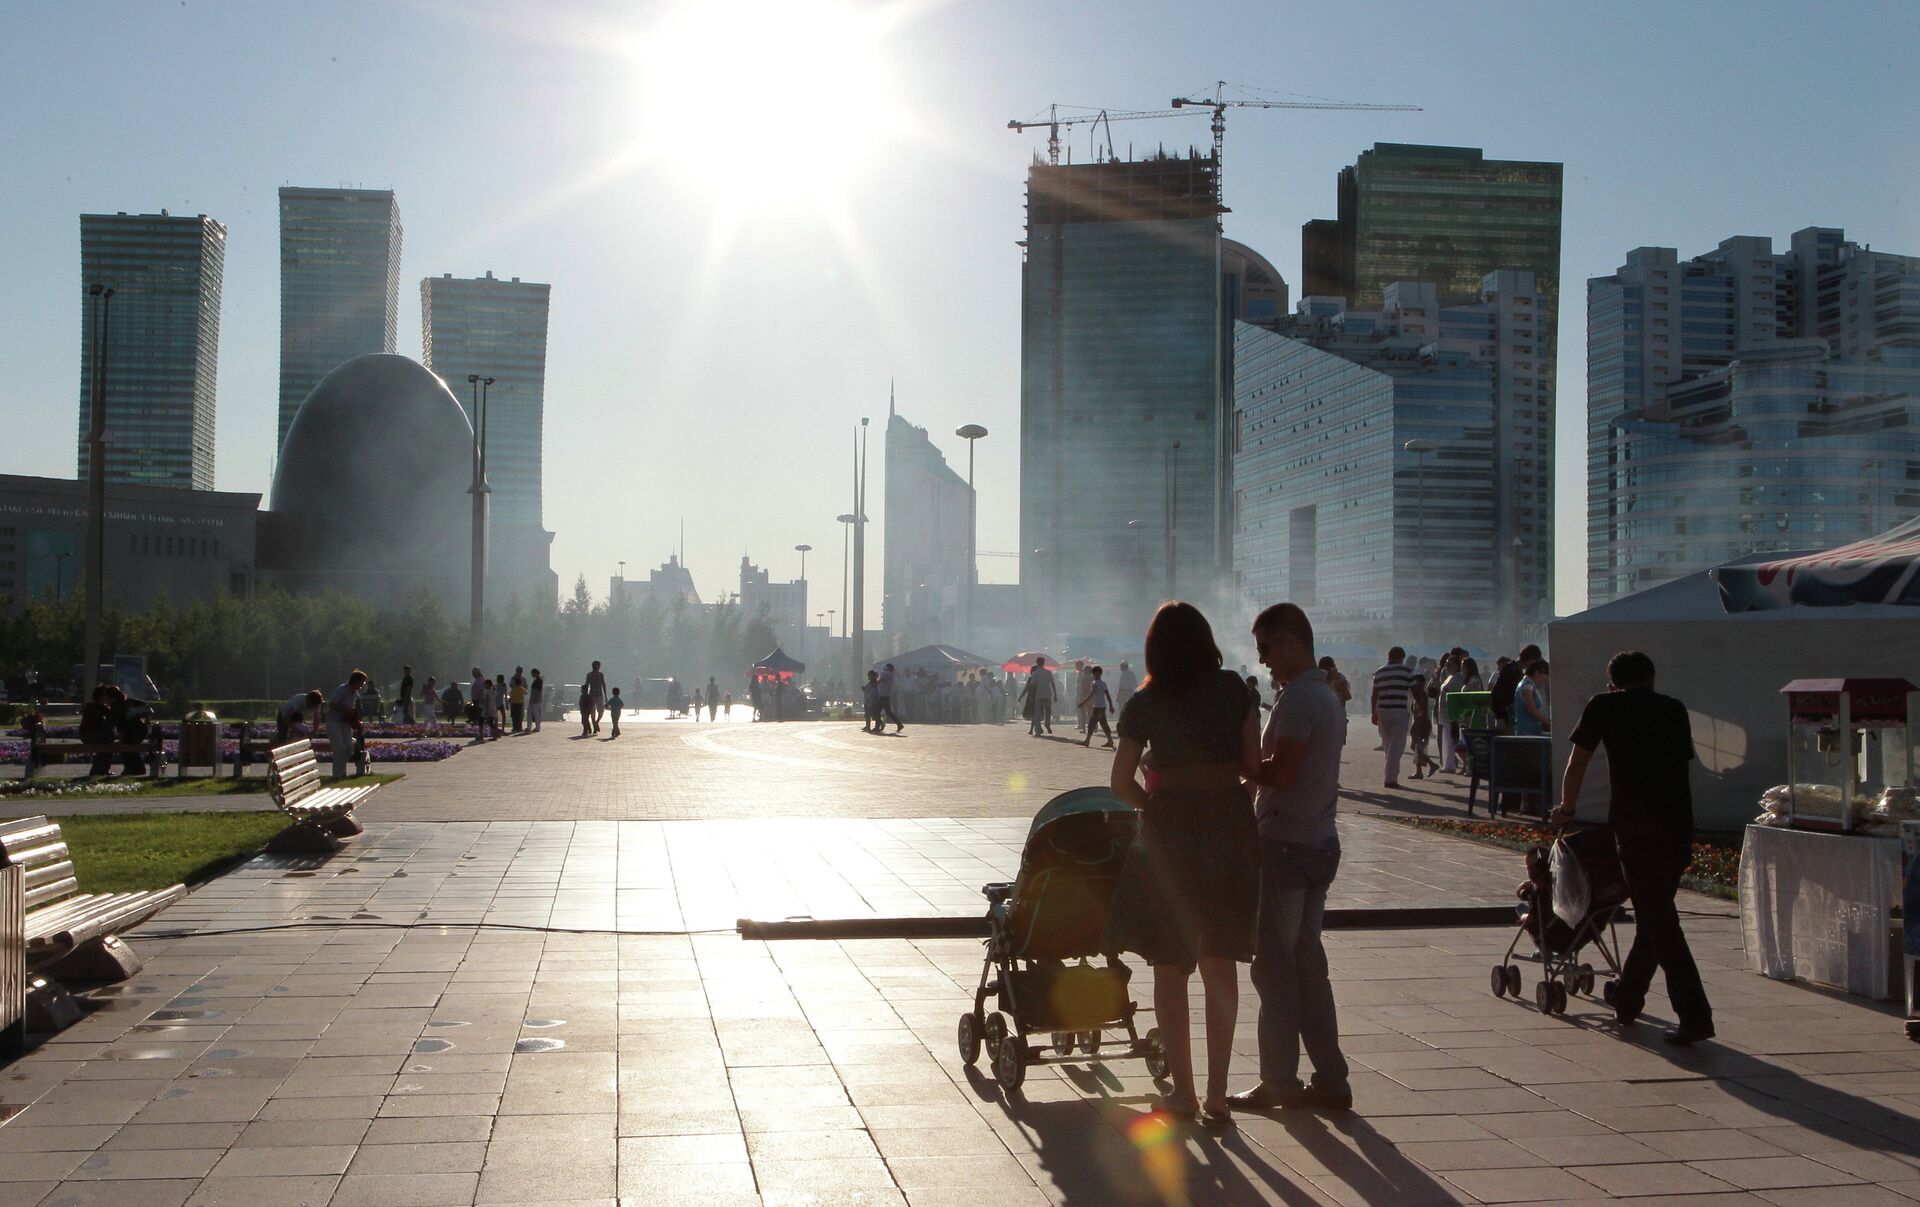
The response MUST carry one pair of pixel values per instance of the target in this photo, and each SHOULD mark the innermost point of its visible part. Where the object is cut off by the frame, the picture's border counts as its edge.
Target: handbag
(1571, 892)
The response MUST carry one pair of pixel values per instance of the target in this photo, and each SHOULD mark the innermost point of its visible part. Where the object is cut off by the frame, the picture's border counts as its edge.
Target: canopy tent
(1728, 670)
(1022, 662)
(936, 659)
(1884, 569)
(778, 665)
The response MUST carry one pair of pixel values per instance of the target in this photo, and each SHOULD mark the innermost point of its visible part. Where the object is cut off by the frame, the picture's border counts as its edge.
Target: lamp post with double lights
(971, 433)
(1419, 448)
(96, 495)
(476, 609)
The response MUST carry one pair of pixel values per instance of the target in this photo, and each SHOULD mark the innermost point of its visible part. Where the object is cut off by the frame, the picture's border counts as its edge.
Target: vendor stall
(1820, 871)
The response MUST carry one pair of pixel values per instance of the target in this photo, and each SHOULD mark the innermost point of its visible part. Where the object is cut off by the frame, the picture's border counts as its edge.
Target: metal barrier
(13, 961)
(1523, 765)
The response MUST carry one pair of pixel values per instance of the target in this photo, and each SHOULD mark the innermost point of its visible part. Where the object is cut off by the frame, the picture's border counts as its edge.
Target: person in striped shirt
(1391, 709)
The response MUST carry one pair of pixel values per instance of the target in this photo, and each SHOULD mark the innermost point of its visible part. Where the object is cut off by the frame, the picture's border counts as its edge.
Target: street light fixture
(803, 550)
(1420, 448)
(476, 610)
(845, 519)
(96, 495)
(970, 433)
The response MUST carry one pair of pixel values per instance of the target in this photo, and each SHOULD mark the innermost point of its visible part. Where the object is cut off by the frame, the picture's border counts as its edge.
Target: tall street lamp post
(971, 433)
(859, 602)
(845, 520)
(476, 609)
(1419, 449)
(803, 550)
(96, 495)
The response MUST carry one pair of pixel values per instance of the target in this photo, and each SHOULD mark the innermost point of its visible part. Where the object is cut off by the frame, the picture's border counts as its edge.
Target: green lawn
(121, 852)
(171, 786)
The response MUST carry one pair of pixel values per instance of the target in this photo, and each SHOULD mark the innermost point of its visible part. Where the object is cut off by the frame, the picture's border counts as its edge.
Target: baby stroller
(1557, 945)
(1042, 929)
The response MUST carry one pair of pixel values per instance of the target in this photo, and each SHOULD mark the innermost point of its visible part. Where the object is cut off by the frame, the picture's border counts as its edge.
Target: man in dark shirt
(406, 695)
(1649, 743)
(1502, 690)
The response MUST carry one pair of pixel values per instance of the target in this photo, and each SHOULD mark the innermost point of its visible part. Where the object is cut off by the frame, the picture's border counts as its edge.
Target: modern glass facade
(496, 329)
(1120, 362)
(1747, 401)
(1331, 511)
(924, 570)
(163, 344)
(339, 285)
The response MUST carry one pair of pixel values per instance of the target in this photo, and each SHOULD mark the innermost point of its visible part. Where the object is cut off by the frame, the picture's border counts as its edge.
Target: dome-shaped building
(371, 492)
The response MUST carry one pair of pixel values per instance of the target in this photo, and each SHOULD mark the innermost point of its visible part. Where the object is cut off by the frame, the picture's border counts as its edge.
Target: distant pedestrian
(1098, 702)
(1420, 730)
(614, 705)
(1082, 684)
(727, 705)
(478, 710)
(595, 685)
(886, 699)
(1532, 706)
(536, 700)
(870, 704)
(1039, 695)
(1391, 711)
(429, 703)
(96, 727)
(406, 695)
(343, 720)
(1253, 688)
(1342, 690)
(713, 699)
(499, 699)
(517, 699)
(586, 712)
(301, 711)
(699, 702)
(1129, 684)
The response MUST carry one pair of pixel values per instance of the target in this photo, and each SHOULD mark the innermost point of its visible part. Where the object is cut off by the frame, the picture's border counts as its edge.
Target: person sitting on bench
(96, 726)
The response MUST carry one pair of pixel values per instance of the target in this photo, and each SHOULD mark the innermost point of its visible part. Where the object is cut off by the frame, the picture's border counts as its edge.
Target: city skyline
(815, 322)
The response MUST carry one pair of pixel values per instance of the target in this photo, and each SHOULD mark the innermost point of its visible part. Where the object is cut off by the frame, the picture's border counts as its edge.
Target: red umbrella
(1020, 664)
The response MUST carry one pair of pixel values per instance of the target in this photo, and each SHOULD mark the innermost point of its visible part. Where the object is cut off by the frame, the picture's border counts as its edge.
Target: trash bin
(1522, 766)
(200, 742)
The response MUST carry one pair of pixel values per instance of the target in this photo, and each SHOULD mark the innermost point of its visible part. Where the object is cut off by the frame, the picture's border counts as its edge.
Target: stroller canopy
(1879, 570)
(1078, 801)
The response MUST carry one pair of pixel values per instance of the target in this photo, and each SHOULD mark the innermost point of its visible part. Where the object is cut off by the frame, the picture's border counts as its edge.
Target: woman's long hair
(1180, 649)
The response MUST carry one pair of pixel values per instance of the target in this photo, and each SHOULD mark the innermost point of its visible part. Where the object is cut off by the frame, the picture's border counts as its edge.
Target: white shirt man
(1040, 689)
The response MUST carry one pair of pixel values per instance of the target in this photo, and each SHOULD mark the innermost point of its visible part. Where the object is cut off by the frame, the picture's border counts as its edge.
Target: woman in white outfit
(429, 702)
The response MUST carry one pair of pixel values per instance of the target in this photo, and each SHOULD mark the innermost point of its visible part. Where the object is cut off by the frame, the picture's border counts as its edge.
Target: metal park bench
(321, 816)
(41, 751)
(70, 934)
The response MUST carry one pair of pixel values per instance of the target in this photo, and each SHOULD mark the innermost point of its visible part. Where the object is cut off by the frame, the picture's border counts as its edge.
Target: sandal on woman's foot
(1178, 1109)
(1209, 1118)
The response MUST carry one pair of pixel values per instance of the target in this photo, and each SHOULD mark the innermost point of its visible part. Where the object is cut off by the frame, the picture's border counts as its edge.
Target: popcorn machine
(1847, 740)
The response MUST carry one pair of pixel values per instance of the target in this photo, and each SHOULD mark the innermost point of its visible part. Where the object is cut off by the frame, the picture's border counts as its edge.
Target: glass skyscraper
(924, 565)
(1748, 401)
(497, 329)
(1120, 362)
(163, 343)
(339, 285)
(1331, 511)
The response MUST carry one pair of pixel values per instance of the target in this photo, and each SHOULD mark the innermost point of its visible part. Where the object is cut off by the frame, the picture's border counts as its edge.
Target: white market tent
(1728, 669)
(942, 660)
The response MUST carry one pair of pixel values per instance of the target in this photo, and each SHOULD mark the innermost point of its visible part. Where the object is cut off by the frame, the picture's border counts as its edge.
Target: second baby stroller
(1043, 928)
(1558, 943)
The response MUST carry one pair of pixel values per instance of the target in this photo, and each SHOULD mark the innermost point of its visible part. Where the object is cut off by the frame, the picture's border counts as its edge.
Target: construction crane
(1054, 123)
(1219, 104)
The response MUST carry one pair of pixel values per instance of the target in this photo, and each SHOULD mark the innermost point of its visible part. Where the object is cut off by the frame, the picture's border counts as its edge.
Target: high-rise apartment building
(1330, 510)
(924, 572)
(1120, 392)
(1748, 401)
(163, 343)
(492, 328)
(339, 285)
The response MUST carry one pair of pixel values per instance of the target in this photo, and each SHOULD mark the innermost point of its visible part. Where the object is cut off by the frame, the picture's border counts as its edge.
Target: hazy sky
(754, 215)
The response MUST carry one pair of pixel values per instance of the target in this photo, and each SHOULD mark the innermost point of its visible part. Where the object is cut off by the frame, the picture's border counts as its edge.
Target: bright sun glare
(768, 106)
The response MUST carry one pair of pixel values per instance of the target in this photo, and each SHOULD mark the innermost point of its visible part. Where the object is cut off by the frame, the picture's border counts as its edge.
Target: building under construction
(1121, 454)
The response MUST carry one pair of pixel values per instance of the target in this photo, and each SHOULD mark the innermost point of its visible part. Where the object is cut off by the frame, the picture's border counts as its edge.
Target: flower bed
(13, 752)
(375, 730)
(1715, 869)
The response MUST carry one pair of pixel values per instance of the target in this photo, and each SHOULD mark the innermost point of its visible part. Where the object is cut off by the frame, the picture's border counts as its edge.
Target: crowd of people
(1211, 882)
(1409, 704)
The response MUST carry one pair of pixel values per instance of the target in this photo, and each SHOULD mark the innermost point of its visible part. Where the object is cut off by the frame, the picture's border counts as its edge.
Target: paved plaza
(441, 1014)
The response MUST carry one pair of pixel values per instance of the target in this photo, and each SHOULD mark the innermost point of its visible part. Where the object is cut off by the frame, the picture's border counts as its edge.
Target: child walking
(586, 713)
(1098, 702)
(614, 705)
(1421, 729)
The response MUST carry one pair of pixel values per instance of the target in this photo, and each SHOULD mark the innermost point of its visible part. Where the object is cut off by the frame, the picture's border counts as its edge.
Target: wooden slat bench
(70, 934)
(321, 816)
(41, 752)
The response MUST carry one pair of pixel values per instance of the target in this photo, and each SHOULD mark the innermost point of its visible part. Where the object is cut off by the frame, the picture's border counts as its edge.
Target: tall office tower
(1120, 392)
(163, 343)
(339, 285)
(492, 328)
(487, 327)
(924, 570)
(1331, 511)
(1748, 401)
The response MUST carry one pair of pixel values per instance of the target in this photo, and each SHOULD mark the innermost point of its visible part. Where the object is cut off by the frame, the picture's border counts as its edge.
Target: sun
(768, 106)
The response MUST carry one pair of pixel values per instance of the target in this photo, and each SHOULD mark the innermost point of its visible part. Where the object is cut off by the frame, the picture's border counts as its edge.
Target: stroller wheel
(969, 1039)
(1156, 1051)
(1543, 997)
(1010, 1063)
(1586, 979)
(1559, 1003)
(996, 1033)
(1499, 980)
(1063, 1042)
(1513, 980)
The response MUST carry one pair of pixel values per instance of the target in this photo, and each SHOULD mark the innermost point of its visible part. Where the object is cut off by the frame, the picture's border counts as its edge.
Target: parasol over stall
(777, 666)
(1884, 569)
(1021, 663)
